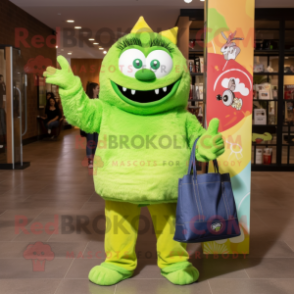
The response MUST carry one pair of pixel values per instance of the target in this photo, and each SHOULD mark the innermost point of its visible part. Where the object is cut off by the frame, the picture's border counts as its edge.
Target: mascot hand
(211, 144)
(64, 77)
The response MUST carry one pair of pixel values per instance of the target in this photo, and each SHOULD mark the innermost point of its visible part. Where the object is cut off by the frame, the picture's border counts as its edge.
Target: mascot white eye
(131, 61)
(228, 97)
(160, 62)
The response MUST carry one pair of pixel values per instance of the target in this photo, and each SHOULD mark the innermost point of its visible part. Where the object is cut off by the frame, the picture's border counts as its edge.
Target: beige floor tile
(22, 268)
(7, 233)
(270, 268)
(81, 267)
(29, 286)
(59, 197)
(160, 286)
(29, 214)
(37, 230)
(10, 250)
(210, 268)
(5, 285)
(290, 243)
(147, 269)
(263, 248)
(83, 286)
(252, 286)
(95, 249)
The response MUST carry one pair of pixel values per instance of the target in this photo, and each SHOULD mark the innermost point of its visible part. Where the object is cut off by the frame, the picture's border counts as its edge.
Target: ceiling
(111, 17)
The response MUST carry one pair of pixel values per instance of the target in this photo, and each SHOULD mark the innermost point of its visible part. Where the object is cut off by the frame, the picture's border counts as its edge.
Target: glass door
(13, 109)
(19, 111)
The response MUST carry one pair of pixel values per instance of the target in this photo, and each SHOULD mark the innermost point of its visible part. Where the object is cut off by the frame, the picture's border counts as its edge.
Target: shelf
(264, 125)
(289, 74)
(264, 144)
(266, 52)
(261, 164)
(196, 73)
(265, 73)
(267, 29)
(264, 128)
(196, 51)
(268, 100)
(272, 167)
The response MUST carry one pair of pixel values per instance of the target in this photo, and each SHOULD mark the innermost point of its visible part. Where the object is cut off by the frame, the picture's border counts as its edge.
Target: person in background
(52, 114)
(92, 139)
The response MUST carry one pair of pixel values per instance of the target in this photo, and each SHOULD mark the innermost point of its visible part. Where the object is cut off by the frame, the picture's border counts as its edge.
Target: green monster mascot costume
(146, 138)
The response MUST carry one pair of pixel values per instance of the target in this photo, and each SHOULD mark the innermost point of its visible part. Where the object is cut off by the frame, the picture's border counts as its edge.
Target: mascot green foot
(182, 273)
(108, 274)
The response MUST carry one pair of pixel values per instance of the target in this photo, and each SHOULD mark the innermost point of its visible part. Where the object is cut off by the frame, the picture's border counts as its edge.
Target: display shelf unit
(197, 78)
(267, 21)
(275, 22)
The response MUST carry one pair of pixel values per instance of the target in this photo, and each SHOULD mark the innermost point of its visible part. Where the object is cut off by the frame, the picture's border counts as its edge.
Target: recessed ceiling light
(56, 46)
(69, 53)
(78, 28)
(104, 52)
(202, 0)
(95, 43)
(101, 48)
(188, 1)
(70, 20)
(91, 39)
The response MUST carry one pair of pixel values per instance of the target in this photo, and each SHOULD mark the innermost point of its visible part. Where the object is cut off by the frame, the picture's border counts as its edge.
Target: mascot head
(144, 72)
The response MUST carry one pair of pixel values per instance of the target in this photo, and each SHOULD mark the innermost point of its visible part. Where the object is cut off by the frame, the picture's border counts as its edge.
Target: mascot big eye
(145, 139)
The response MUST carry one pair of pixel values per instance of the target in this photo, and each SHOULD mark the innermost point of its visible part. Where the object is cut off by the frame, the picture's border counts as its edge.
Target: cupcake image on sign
(39, 253)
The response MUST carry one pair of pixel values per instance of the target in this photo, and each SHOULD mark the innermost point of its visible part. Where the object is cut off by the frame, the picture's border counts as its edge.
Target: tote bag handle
(192, 162)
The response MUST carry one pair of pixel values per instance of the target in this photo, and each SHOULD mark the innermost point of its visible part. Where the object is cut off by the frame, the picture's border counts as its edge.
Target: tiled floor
(58, 183)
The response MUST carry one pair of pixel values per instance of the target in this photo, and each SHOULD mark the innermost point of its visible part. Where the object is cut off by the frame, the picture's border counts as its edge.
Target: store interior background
(106, 21)
(58, 180)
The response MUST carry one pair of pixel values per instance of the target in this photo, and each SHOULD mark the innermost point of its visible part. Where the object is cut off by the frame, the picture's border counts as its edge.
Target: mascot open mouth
(148, 95)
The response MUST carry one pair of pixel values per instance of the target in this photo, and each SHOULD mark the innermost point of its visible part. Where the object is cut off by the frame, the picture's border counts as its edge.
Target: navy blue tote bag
(206, 209)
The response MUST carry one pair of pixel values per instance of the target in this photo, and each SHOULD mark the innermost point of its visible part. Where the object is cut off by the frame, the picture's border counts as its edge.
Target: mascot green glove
(145, 139)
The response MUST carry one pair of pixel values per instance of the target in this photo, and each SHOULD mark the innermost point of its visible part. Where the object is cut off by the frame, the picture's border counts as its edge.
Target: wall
(87, 69)
(11, 18)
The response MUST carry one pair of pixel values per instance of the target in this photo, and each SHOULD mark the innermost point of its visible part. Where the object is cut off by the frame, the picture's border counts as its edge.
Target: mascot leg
(172, 255)
(120, 240)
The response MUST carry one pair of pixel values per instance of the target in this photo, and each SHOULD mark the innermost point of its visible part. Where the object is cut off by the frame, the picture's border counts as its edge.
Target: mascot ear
(171, 34)
(141, 26)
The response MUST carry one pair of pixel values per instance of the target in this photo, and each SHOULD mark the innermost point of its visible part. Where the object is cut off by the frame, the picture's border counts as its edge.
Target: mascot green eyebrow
(146, 138)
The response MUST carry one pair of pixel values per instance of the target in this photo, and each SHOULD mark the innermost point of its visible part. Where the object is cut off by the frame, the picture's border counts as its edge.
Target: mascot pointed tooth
(141, 26)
